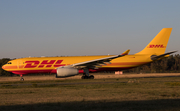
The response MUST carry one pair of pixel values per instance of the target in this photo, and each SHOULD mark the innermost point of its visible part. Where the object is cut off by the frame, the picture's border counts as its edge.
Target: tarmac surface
(97, 76)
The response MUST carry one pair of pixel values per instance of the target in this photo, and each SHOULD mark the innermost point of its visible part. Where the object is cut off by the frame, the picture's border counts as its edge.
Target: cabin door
(20, 64)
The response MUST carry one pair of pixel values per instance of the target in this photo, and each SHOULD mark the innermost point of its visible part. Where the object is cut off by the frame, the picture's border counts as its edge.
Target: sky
(84, 27)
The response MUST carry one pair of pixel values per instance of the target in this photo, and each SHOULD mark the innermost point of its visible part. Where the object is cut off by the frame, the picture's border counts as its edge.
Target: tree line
(3, 72)
(170, 64)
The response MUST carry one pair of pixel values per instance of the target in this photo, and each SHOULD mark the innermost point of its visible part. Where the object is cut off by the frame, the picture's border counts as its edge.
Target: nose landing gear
(22, 79)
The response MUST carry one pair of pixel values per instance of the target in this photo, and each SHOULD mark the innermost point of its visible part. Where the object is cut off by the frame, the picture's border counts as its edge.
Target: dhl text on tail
(70, 66)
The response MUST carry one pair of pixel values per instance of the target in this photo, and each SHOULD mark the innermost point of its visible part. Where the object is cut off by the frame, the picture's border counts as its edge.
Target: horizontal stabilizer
(154, 57)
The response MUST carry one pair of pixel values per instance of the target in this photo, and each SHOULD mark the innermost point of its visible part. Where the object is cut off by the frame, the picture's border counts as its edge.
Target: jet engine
(66, 72)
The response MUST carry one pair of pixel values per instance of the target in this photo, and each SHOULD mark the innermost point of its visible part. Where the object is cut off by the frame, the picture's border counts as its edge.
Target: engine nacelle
(66, 72)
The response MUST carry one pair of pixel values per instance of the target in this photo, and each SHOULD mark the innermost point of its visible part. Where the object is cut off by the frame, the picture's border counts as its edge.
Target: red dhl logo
(156, 46)
(44, 63)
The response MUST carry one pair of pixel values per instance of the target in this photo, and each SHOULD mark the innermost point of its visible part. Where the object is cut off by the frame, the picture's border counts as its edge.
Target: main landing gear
(22, 79)
(86, 75)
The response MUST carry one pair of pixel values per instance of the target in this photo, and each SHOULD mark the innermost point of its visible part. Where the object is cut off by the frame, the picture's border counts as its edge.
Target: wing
(94, 63)
(73, 69)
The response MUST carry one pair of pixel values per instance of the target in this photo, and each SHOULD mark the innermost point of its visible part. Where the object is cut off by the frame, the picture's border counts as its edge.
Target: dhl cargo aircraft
(70, 66)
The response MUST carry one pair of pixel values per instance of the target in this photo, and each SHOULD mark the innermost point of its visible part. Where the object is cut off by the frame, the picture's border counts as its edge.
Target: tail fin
(158, 44)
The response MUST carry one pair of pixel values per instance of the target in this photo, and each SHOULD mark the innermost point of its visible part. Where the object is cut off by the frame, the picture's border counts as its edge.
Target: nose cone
(4, 67)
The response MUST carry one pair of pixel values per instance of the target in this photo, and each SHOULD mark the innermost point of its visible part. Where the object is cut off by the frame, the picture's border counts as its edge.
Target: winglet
(126, 52)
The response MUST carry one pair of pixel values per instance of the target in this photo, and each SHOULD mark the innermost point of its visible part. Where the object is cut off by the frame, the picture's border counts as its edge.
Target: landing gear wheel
(91, 77)
(84, 77)
(22, 79)
(87, 77)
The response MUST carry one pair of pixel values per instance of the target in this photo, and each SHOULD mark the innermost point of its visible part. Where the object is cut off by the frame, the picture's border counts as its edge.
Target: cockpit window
(9, 63)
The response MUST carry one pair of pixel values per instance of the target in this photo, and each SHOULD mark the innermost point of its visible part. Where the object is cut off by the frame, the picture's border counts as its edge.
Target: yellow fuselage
(49, 64)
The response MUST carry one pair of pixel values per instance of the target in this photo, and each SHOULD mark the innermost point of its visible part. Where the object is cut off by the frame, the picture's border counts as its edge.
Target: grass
(173, 83)
(141, 94)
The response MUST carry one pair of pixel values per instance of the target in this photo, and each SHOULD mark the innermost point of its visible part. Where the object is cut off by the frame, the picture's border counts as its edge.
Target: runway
(96, 75)
(50, 80)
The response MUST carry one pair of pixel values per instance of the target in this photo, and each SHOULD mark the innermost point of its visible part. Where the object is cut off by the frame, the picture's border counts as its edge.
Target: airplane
(74, 65)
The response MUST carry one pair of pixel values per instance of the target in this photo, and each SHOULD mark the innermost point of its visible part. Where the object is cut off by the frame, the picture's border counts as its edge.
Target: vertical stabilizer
(158, 44)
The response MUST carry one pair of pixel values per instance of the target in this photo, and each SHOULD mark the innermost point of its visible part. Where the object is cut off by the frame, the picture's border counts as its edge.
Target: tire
(91, 77)
(22, 79)
(82, 77)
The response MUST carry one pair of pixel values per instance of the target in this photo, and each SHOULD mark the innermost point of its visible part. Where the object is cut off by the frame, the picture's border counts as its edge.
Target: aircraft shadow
(148, 105)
